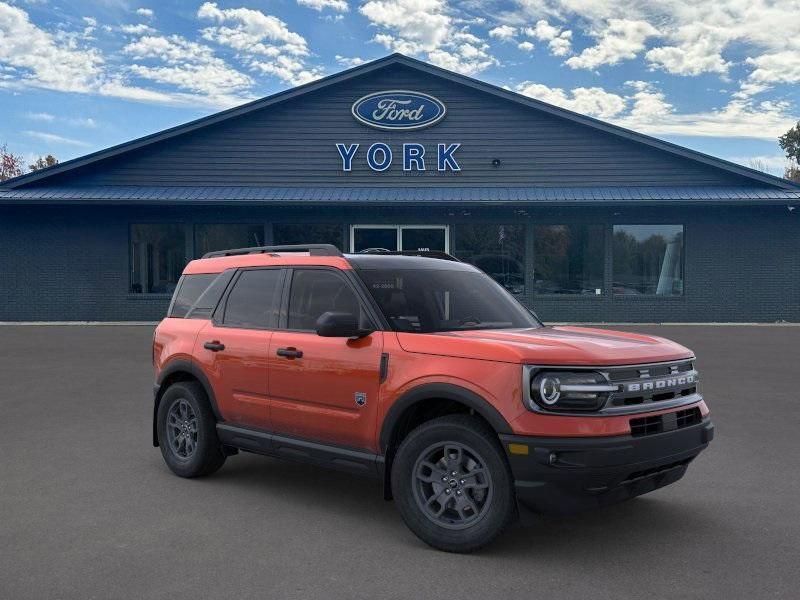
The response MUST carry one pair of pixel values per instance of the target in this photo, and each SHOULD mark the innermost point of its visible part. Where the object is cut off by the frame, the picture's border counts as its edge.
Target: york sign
(380, 157)
(398, 110)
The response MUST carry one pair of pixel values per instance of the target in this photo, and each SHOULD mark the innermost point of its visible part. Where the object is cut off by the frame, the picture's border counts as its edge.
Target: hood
(547, 346)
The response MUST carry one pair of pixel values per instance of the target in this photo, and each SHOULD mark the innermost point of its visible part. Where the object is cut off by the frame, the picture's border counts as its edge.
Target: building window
(158, 255)
(308, 233)
(648, 259)
(568, 259)
(497, 249)
(224, 236)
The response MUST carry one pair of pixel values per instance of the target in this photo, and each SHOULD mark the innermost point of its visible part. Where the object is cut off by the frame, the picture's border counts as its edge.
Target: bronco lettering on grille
(660, 384)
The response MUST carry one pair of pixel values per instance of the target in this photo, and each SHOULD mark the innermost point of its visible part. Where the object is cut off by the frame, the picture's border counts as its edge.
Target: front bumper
(566, 475)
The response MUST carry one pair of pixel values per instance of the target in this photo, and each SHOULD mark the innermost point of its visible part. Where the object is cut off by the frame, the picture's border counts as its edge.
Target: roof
(398, 196)
(393, 59)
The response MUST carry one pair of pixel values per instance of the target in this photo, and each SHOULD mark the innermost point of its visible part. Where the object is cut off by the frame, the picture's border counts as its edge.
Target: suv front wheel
(452, 484)
(187, 432)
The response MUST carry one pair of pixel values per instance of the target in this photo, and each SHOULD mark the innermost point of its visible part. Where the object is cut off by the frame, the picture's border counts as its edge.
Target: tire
(190, 447)
(480, 502)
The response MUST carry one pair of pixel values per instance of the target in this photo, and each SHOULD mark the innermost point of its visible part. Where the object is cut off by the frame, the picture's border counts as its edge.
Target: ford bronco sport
(421, 370)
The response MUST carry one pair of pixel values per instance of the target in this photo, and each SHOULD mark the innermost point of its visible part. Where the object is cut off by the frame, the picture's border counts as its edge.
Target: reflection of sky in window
(642, 232)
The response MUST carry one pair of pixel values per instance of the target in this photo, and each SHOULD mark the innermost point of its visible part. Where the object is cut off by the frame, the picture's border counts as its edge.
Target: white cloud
(558, 40)
(505, 33)
(187, 65)
(289, 69)
(349, 61)
(251, 31)
(646, 110)
(54, 61)
(319, 5)
(55, 139)
(145, 12)
(427, 28)
(263, 42)
(775, 164)
(693, 36)
(619, 40)
(40, 116)
(525, 46)
(86, 122)
(698, 50)
(776, 67)
(594, 101)
(138, 29)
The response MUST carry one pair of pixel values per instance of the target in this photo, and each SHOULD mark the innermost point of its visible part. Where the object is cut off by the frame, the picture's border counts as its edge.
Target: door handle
(214, 346)
(290, 352)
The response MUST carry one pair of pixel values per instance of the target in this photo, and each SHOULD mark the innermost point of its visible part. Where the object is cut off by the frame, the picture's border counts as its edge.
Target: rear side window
(188, 291)
(316, 291)
(253, 301)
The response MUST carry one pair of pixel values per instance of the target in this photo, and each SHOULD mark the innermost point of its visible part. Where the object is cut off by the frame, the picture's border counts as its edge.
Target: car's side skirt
(331, 456)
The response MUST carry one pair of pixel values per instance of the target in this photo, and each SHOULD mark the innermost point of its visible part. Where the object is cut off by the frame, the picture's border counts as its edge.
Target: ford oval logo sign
(398, 110)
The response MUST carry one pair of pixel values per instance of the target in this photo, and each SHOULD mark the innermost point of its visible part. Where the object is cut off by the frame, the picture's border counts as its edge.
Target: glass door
(370, 237)
(400, 237)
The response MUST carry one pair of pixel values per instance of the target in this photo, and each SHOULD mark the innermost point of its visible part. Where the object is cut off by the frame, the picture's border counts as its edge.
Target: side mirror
(340, 324)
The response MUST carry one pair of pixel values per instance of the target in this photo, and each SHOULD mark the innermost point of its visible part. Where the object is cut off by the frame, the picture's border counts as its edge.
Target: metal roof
(397, 196)
(752, 174)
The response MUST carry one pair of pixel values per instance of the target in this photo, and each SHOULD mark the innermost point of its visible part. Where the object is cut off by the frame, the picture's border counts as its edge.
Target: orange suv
(421, 370)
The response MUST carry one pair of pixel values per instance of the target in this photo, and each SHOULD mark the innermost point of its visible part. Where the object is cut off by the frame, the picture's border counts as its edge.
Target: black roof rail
(421, 253)
(312, 249)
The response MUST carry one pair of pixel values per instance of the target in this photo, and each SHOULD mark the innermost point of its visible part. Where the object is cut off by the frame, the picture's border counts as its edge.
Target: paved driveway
(88, 509)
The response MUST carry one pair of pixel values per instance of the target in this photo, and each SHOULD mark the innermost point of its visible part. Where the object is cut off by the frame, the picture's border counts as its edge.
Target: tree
(790, 142)
(793, 173)
(10, 165)
(43, 162)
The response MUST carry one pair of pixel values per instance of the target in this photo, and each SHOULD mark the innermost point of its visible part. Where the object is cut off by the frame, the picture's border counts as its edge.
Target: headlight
(570, 390)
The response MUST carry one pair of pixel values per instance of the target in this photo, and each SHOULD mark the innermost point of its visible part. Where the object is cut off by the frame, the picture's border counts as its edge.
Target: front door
(323, 389)
(400, 237)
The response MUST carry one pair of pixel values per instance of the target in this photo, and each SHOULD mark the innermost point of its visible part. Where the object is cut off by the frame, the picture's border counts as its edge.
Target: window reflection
(226, 236)
(568, 259)
(648, 259)
(158, 255)
(308, 233)
(496, 249)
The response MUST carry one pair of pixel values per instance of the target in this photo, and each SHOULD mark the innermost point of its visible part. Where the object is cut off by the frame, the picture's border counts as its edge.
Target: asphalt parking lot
(88, 509)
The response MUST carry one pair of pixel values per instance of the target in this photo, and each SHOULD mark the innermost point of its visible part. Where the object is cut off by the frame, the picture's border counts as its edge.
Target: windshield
(429, 301)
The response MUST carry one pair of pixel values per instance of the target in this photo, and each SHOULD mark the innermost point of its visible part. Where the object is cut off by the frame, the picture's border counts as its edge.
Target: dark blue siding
(293, 144)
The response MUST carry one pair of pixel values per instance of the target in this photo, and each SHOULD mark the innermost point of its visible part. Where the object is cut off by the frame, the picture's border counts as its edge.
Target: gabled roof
(398, 59)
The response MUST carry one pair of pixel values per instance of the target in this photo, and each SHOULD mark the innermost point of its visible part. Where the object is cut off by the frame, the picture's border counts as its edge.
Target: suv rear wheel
(452, 484)
(187, 433)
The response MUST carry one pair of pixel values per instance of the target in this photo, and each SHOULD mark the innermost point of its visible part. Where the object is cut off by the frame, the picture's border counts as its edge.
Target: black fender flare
(445, 391)
(181, 366)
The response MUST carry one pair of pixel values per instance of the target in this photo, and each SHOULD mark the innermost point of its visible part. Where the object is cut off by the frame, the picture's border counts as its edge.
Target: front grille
(666, 422)
(645, 384)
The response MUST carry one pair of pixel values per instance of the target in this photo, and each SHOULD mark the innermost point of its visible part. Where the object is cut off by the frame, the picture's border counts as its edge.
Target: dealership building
(581, 220)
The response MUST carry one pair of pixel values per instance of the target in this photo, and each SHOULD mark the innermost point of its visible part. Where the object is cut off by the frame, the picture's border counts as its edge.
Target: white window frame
(399, 231)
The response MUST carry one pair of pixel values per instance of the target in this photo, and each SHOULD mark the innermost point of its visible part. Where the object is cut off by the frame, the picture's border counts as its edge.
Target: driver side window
(317, 291)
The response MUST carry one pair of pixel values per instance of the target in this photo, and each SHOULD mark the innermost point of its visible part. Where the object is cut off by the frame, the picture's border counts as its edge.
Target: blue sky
(720, 77)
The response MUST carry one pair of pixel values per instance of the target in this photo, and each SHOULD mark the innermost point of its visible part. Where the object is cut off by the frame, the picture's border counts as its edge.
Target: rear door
(232, 348)
(324, 389)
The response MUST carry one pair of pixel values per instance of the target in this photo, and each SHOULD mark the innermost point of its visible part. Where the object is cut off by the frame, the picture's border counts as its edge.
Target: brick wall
(71, 263)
